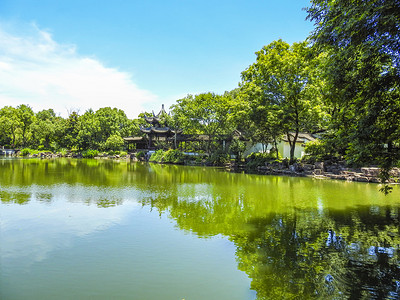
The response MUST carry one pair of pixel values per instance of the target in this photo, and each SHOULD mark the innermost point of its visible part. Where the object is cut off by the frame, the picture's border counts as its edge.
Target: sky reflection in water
(107, 228)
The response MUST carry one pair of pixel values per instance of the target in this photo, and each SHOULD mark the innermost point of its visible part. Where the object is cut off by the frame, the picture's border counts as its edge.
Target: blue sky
(133, 55)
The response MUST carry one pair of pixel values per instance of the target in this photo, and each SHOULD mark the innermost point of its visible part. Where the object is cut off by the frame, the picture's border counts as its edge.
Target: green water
(95, 229)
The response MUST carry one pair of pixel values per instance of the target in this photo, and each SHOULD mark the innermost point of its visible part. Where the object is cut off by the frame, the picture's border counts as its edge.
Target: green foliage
(173, 156)
(140, 155)
(43, 130)
(315, 151)
(157, 156)
(114, 142)
(63, 151)
(282, 93)
(26, 117)
(169, 156)
(237, 147)
(361, 39)
(70, 133)
(258, 159)
(9, 126)
(218, 158)
(205, 113)
(90, 153)
(25, 152)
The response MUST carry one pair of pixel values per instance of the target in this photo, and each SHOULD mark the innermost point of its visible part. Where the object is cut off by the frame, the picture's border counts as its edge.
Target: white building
(283, 146)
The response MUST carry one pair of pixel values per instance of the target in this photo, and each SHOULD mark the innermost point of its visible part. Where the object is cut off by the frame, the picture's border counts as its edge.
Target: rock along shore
(319, 170)
(322, 170)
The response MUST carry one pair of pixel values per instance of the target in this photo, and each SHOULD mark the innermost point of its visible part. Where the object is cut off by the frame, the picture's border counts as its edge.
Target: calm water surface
(91, 229)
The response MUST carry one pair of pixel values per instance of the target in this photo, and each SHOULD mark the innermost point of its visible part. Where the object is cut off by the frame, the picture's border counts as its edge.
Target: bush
(315, 151)
(90, 153)
(257, 159)
(157, 156)
(63, 151)
(25, 152)
(169, 156)
(114, 142)
(237, 147)
(173, 156)
(219, 158)
(140, 155)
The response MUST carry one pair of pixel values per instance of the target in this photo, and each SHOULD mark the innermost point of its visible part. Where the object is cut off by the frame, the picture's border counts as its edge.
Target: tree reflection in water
(295, 238)
(303, 254)
(306, 255)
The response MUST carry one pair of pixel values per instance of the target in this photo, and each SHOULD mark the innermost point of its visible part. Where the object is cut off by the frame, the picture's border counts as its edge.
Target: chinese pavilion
(157, 131)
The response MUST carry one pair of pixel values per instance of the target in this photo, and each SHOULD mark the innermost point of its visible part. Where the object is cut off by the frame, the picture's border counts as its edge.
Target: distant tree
(26, 117)
(111, 121)
(70, 131)
(9, 124)
(89, 135)
(43, 129)
(114, 142)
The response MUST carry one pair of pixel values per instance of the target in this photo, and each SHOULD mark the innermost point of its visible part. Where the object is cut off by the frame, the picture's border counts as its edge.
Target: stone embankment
(50, 155)
(322, 170)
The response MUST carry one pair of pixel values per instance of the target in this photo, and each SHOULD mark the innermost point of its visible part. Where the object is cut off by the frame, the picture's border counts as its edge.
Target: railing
(7, 152)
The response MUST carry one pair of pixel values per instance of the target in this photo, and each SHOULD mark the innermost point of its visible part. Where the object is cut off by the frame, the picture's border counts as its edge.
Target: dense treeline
(100, 130)
(343, 82)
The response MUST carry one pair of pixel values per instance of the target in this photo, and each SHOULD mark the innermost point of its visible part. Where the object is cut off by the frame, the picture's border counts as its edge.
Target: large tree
(362, 39)
(205, 113)
(282, 83)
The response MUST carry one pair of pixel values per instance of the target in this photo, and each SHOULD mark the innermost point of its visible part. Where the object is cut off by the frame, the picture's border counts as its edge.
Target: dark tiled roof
(301, 138)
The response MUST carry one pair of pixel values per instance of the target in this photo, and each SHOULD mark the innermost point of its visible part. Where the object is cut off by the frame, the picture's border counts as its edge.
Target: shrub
(63, 151)
(237, 147)
(140, 155)
(257, 159)
(173, 156)
(219, 158)
(114, 142)
(25, 152)
(90, 153)
(157, 156)
(315, 151)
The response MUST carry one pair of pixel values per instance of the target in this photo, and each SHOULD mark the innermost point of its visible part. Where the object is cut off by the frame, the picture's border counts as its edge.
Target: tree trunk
(292, 145)
(276, 148)
(175, 140)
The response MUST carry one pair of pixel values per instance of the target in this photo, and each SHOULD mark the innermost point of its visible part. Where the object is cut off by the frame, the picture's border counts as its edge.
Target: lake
(103, 229)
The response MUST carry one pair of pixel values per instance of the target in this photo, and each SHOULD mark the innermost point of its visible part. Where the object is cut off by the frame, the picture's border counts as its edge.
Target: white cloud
(36, 70)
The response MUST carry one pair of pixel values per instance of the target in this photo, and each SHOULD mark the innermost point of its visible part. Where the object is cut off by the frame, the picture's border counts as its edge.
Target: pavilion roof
(302, 137)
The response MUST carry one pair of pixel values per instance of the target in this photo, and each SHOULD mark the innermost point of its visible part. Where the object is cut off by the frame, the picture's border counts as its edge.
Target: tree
(9, 123)
(114, 142)
(362, 39)
(205, 113)
(89, 135)
(43, 128)
(26, 117)
(70, 131)
(258, 123)
(282, 82)
(111, 121)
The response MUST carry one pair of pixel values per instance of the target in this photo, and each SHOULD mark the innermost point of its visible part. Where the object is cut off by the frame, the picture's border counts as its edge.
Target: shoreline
(318, 170)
